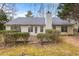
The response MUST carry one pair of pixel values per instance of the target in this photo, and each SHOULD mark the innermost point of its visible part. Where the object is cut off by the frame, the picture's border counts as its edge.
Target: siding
(25, 29)
(8, 27)
(69, 30)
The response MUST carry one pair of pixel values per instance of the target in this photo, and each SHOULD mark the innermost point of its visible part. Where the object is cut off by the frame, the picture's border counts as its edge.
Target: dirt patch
(74, 40)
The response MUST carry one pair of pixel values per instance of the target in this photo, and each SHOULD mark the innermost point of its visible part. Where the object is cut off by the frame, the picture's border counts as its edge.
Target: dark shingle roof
(36, 21)
(27, 21)
(58, 21)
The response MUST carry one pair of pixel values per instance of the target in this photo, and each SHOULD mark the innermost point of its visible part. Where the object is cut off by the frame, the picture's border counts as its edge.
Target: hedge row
(17, 35)
(13, 36)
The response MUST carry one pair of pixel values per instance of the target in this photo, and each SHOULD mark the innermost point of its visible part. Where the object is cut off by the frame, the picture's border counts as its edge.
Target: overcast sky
(22, 8)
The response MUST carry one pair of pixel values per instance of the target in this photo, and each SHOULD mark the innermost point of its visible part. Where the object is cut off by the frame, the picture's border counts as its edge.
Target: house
(35, 25)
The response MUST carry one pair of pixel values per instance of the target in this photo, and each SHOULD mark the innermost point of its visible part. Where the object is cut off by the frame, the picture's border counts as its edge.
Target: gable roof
(37, 21)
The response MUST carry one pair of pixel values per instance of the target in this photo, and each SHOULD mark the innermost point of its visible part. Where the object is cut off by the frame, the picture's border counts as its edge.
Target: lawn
(62, 49)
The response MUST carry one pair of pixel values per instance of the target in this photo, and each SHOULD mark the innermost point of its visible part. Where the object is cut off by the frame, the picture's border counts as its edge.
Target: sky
(22, 8)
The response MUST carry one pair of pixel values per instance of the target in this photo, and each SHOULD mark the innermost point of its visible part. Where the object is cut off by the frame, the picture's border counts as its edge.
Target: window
(16, 28)
(64, 28)
(35, 29)
(30, 29)
(54, 27)
(41, 28)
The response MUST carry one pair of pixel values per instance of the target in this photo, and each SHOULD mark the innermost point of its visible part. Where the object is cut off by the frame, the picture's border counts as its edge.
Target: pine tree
(68, 10)
(3, 19)
(29, 14)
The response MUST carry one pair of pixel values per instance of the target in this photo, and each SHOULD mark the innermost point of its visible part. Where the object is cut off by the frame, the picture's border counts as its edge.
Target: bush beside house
(52, 35)
(41, 37)
(21, 36)
(49, 36)
(12, 36)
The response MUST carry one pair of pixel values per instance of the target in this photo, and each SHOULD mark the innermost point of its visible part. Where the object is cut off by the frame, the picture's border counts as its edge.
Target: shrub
(20, 35)
(5, 35)
(56, 35)
(52, 35)
(9, 38)
(12, 36)
(6, 31)
(49, 36)
(49, 31)
(41, 37)
(14, 33)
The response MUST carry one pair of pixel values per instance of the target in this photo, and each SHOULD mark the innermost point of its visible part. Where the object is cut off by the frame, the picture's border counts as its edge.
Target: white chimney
(48, 20)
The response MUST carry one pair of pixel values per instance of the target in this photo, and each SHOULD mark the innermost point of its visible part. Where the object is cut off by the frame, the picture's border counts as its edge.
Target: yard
(61, 49)
(73, 40)
(69, 46)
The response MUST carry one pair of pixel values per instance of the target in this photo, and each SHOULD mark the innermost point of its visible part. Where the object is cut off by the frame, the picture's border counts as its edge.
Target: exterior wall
(25, 29)
(76, 26)
(8, 27)
(58, 28)
(69, 30)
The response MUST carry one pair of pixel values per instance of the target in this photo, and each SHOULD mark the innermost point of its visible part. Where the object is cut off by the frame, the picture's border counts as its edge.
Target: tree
(68, 10)
(41, 10)
(44, 8)
(3, 16)
(9, 9)
(6, 11)
(3, 19)
(64, 10)
(29, 14)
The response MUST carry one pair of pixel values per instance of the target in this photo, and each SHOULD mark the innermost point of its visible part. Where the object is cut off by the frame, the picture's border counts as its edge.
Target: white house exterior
(35, 25)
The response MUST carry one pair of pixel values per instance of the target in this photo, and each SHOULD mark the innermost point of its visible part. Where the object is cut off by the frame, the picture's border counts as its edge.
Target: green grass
(62, 49)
